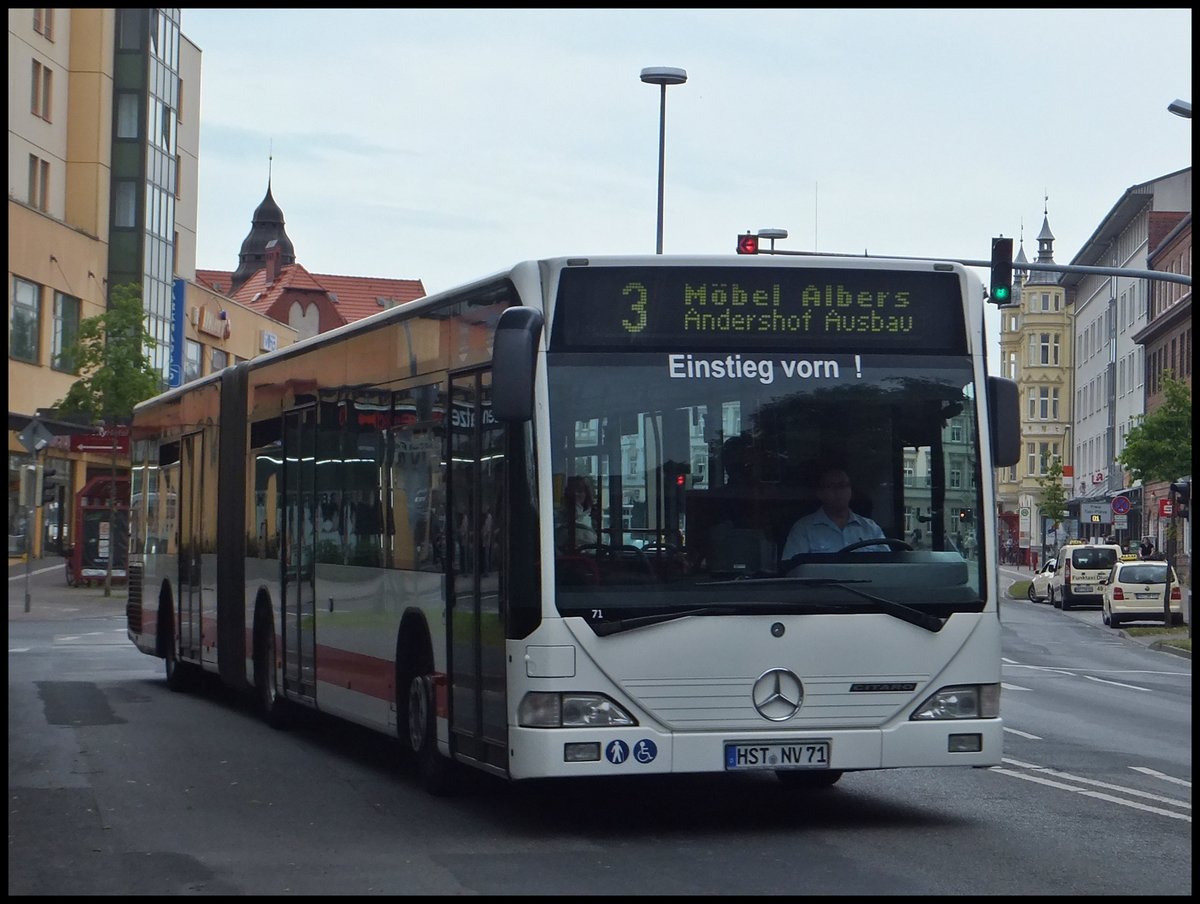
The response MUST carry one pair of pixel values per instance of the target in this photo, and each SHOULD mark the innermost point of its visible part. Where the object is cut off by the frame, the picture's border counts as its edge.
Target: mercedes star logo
(778, 695)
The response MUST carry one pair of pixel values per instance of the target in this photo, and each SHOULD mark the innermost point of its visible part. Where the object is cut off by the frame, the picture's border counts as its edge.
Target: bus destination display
(707, 307)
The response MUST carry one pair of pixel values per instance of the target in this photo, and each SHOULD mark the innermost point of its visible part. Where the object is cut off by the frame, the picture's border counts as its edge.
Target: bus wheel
(433, 769)
(802, 779)
(271, 705)
(179, 674)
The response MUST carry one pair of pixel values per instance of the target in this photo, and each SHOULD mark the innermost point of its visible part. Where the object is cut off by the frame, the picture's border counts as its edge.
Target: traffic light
(1002, 271)
(49, 492)
(747, 243)
(964, 515)
(1181, 490)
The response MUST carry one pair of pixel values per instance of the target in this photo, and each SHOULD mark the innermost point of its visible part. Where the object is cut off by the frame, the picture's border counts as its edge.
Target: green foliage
(1054, 495)
(1160, 446)
(110, 353)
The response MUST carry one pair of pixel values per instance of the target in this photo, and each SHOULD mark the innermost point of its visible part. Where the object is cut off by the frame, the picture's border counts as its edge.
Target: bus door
(298, 612)
(476, 571)
(191, 503)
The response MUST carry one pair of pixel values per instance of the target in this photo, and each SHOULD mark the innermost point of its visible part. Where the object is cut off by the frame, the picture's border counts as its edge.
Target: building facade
(1036, 352)
(103, 166)
(1167, 343)
(1110, 364)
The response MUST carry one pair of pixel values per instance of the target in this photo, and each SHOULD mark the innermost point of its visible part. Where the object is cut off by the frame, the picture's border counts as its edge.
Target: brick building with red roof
(270, 281)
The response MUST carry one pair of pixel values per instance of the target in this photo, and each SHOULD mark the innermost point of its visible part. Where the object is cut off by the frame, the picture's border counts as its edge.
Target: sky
(446, 145)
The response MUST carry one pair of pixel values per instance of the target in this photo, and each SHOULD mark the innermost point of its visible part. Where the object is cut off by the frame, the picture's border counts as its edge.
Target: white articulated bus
(373, 523)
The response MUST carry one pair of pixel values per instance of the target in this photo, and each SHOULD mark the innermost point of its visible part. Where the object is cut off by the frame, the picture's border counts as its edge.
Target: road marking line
(1108, 797)
(1099, 784)
(1024, 734)
(1132, 687)
(1154, 773)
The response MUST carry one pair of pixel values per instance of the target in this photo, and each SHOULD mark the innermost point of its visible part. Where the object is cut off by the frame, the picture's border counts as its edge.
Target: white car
(1039, 586)
(1133, 591)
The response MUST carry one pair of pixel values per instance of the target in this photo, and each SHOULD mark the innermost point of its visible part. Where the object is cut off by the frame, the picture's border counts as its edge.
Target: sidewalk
(45, 582)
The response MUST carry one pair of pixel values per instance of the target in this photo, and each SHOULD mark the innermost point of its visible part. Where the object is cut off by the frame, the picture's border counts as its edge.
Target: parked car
(1133, 590)
(1081, 567)
(1039, 586)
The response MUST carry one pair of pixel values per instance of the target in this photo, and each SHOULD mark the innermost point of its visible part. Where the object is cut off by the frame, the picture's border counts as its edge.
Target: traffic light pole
(1160, 275)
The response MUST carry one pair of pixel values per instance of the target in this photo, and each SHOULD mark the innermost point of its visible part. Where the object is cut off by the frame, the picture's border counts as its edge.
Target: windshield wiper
(890, 607)
(604, 628)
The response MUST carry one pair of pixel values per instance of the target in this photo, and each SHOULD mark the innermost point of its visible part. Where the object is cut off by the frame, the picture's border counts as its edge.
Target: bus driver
(834, 525)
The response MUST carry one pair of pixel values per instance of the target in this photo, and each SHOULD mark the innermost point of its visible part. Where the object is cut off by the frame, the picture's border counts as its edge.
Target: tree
(1054, 496)
(110, 353)
(1159, 447)
(1053, 503)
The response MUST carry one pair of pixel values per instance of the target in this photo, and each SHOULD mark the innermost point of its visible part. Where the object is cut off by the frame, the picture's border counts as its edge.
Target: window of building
(1045, 301)
(220, 358)
(1044, 352)
(1031, 459)
(43, 23)
(127, 114)
(26, 320)
(955, 479)
(65, 329)
(1044, 403)
(1054, 404)
(125, 209)
(956, 432)
(908, 475)
(39, 182)
(129, 35)
(40, 91)
(191, 360)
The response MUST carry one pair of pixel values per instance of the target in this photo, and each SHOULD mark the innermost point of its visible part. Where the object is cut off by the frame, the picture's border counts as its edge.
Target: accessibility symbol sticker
(617, 752)
(645, 750)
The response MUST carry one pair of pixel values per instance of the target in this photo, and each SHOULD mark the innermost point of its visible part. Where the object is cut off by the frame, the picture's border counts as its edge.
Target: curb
(1165, 646)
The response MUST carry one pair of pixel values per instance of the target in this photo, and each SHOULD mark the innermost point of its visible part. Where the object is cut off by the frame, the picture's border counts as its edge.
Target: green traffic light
(1001, 293)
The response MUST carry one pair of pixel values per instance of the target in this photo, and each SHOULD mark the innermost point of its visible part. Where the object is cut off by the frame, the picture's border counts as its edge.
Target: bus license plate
(777, 755)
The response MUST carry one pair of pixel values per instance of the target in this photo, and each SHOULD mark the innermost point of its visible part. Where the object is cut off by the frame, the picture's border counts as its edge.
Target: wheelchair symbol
(644, 751)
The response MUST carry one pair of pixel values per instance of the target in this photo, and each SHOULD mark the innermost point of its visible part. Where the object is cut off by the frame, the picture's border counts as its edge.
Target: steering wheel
(890, 542)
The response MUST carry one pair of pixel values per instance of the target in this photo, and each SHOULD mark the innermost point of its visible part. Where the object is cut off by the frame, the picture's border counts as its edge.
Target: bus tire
(809, 779)
(179, 674)
(433, 770)
(270, 703)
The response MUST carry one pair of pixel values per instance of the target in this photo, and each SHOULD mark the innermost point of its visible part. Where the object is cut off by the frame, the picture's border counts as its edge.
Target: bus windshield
(679, 476)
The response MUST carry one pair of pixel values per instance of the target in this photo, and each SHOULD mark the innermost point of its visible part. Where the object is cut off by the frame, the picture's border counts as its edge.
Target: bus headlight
(966, 701)
(548, 710)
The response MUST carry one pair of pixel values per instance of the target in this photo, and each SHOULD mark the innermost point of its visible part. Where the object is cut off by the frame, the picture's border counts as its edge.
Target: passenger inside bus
(579, 523)
(833, 526)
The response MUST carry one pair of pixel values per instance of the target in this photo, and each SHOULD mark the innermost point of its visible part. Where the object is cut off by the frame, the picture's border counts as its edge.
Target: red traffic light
(747, 243)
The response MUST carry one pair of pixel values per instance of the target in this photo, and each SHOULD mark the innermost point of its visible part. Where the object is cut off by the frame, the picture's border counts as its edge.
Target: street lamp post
(662, 76)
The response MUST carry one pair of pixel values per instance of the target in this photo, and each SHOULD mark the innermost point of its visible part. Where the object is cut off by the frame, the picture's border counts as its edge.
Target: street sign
(35, 437)
(1121, 522)
(1121, 505)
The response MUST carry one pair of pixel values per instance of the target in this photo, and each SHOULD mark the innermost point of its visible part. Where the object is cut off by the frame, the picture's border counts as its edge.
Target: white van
(1079, 570)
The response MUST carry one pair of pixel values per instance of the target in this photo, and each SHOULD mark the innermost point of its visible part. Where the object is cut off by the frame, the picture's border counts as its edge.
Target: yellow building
(1036, 351)
(103, 137)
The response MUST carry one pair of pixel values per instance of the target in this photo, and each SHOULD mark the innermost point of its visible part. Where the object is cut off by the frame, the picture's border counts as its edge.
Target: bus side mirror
(514, 352)
(1004, 423)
